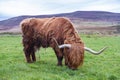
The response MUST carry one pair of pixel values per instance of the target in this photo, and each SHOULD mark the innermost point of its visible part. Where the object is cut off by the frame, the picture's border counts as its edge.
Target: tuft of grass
(105, 66)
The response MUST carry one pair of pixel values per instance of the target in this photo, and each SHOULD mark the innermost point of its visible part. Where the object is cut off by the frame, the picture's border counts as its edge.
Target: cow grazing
(55, 32)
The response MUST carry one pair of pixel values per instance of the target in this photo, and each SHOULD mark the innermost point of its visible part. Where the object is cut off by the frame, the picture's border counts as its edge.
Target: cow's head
(74, 54)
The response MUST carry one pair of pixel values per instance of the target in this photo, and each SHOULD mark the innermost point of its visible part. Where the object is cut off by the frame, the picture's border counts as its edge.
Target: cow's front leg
(59, 56)
(66, 60)
(57, 51)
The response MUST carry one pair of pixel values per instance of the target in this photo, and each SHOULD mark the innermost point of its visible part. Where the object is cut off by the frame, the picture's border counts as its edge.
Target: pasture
(105, 66)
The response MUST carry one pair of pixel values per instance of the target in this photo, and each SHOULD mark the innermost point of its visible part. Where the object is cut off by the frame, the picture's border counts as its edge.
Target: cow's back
(53, 28)
(57, 25)
(59, 28)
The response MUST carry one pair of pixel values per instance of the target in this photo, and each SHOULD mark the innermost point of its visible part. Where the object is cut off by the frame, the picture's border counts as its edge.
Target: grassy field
(105, 66)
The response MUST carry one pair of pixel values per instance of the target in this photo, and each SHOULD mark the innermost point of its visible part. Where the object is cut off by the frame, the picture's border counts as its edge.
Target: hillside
(81, 19)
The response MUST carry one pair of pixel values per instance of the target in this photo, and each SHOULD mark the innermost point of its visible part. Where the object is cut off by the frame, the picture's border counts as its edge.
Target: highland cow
(55, 32)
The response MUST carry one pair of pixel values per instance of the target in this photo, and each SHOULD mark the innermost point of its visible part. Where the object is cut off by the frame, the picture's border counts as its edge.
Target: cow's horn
(65, 45)
(94, 52)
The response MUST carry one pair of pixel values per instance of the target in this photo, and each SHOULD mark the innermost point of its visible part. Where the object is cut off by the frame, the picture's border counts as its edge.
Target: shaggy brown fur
(39, 32)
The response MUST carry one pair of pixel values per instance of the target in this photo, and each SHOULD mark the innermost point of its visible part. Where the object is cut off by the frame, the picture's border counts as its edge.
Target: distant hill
(76, 17)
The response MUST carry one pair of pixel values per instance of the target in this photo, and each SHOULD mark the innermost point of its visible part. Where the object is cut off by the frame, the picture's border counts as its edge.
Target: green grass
(105, 66)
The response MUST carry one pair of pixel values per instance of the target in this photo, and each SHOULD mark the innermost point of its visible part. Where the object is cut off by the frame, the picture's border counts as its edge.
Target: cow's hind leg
(27, 55)
(29, 52)
(33, 56)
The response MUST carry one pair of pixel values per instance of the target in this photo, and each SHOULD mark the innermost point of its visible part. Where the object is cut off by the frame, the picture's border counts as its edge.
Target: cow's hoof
(59, 64)
(29, 61)
(72, 68)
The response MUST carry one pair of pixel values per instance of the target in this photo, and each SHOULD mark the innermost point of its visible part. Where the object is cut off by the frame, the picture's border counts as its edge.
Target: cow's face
(74, 55)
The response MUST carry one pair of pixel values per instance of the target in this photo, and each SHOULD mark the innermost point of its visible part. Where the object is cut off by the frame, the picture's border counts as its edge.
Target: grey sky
(39, 7)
